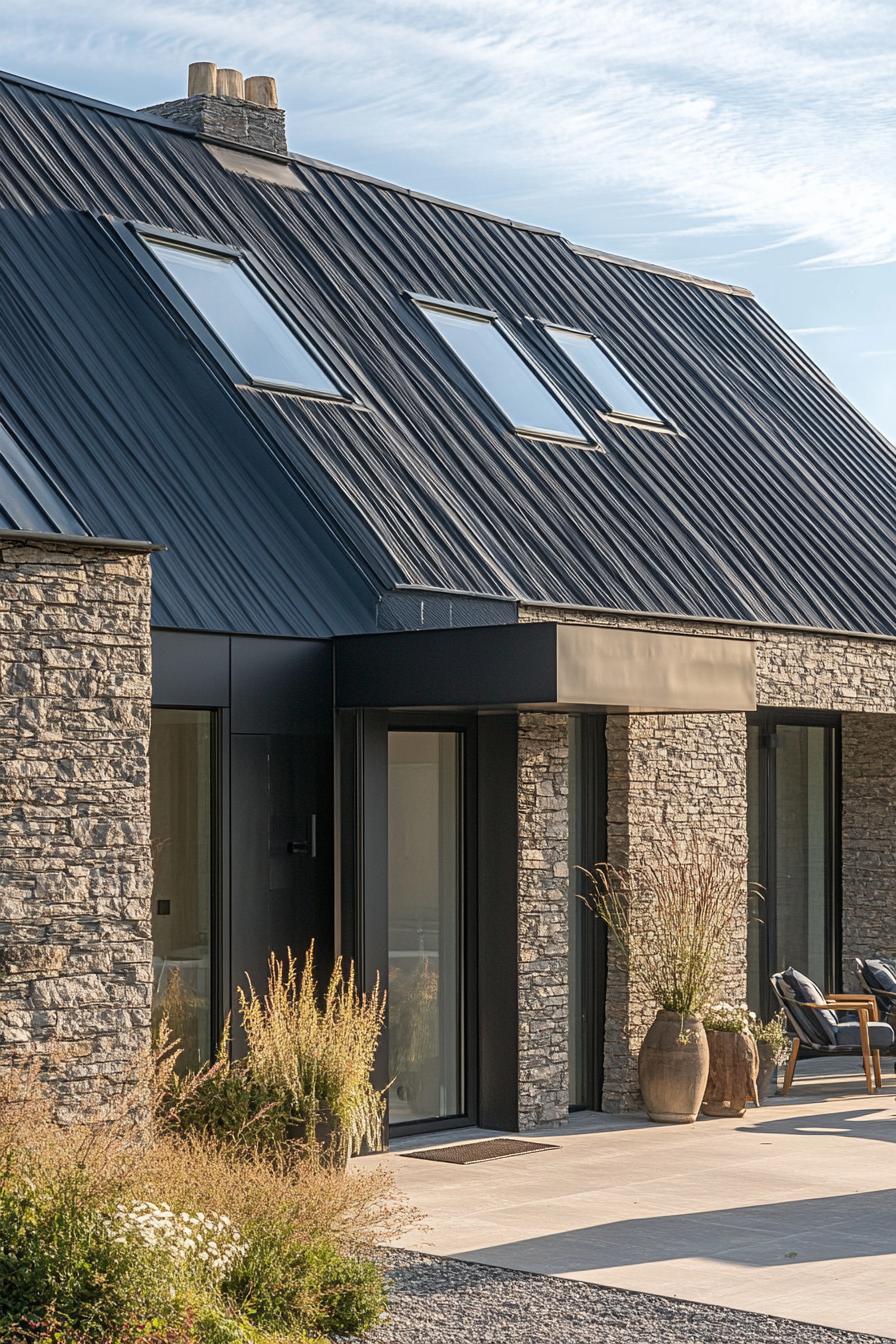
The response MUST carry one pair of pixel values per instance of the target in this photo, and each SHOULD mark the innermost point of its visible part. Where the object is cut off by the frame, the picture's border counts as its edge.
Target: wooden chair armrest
(846, 1003)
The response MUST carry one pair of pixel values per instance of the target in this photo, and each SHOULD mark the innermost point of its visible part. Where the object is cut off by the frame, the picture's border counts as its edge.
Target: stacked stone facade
(669, 777)
(75, 866)
(687, 773)
(543, 917)
(247, 124)
(868, 838)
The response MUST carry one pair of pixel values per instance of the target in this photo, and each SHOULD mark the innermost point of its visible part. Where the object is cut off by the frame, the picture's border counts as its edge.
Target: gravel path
(438, 1301)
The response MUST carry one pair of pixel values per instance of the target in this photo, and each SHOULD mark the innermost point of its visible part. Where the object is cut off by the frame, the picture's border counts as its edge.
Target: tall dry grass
(321, 1054)
(350, 1210)
(674, 919)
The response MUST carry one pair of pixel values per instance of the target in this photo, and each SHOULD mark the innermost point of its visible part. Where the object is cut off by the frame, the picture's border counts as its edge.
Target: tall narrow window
(180, 767)
(794, 834)
(425, 891)
(242, 319)
(587, 934)
(524, 397)
(603, 373)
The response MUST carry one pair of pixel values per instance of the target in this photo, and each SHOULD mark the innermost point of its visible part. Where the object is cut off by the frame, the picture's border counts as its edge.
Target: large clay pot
(673, 1065)
(768, 1063)
(733, 1066)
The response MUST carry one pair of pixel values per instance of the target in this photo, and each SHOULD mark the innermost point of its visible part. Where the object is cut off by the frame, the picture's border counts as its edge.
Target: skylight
(525, 398)
(603, 373)
(242, 318)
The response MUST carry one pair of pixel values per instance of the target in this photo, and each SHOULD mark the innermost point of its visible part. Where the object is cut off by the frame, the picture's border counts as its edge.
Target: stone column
(678, 773)
(543, 928)
(75, 867)
(868, 838)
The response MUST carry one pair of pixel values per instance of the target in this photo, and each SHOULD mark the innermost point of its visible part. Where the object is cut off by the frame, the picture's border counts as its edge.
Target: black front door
(794, 830)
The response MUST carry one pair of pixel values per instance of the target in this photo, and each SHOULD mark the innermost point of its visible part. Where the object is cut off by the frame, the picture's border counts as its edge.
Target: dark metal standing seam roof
(775, 503)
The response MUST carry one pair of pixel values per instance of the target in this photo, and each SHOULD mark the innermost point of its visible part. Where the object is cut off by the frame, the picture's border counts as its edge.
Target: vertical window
(523, 395)
(425, 926)
(603, 373)
(794, 852)
(587, 934)
(239, 315)
(180, 763)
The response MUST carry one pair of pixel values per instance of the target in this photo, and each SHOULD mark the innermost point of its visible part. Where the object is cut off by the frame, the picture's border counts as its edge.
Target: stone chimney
(221, 104)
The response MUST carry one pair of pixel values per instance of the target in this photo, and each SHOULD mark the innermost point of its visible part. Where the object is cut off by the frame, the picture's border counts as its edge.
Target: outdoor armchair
(831, 1024)
(877, 975)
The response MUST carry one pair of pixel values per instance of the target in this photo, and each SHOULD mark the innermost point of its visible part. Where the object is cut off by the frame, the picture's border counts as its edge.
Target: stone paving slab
(789, 1211)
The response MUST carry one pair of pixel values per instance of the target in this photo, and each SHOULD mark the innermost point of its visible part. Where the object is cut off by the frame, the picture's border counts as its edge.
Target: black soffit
(545, 665)
(774, 503)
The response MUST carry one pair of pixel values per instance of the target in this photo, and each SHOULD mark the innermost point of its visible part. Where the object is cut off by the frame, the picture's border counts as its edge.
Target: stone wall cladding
(686, 768)
(868, 838)
(543, 919)
(75, 864)
(247, 124)
(668, 776)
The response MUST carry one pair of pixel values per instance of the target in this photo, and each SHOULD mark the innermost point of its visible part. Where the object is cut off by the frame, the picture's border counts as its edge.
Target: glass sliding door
(794, 851)
(425, 1006)
(181, 775)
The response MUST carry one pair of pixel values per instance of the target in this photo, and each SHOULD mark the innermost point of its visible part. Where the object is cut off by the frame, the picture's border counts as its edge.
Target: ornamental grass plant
(106, 1238)
(317, 1055)
(673, 918)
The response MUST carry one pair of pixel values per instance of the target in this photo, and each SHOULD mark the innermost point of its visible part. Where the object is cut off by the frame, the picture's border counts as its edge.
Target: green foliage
(773, 1034)
(224, 1102)
(186, 1240)
(56, 1252)
(282, 1284)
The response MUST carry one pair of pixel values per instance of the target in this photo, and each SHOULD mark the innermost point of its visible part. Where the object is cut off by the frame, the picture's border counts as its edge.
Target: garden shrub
(189, 1240)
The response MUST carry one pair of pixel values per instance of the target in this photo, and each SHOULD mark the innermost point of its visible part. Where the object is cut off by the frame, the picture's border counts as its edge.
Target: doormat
(481, 1150)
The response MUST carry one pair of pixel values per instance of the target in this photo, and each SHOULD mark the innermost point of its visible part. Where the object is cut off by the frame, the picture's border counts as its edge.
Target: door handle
(308, 846)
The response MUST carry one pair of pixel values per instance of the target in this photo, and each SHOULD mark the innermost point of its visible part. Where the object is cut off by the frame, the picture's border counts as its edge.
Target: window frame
(139, 237)
(586, 440)
(661, 424)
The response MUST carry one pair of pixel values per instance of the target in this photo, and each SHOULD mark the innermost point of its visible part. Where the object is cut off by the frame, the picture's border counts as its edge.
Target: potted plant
(316, 1056)
(773, 1045)
(672, 920)
(733, 1059)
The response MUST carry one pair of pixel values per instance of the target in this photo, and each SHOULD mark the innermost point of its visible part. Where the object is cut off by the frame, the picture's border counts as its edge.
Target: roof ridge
(723, 286)
(324, 165)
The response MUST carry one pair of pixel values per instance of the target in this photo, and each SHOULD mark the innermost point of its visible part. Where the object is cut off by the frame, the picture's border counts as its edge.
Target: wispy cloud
(835, 329)
(767, 118)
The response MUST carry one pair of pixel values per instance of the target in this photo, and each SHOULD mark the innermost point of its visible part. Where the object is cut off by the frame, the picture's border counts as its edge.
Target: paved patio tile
(790, 1210)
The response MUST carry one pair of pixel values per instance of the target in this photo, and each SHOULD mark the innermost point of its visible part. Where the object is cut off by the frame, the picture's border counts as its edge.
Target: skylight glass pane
(507, 378)
(240, 315)
(603, 374)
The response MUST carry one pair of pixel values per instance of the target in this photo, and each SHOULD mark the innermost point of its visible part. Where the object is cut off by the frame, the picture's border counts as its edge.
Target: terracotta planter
(768, 1063)
(673, 1065)
(733, 1066)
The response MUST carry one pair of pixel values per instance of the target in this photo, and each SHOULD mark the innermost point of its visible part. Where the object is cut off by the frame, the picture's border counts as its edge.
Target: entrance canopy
(545, 665)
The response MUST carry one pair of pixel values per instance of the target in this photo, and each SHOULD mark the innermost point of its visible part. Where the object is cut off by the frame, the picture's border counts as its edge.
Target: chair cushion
(881, 973)
(880, 1035)
(806, 991)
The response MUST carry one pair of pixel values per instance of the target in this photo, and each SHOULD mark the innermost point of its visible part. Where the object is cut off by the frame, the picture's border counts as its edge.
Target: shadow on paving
(836, 1228)
(867, 1123)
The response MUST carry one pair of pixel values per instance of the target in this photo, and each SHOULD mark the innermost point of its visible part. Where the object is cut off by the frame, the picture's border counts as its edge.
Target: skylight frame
(141, 236)
(585, 441)
(658, 423)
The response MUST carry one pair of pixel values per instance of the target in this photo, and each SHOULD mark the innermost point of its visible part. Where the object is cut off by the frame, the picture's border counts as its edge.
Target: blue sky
(751, 140)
